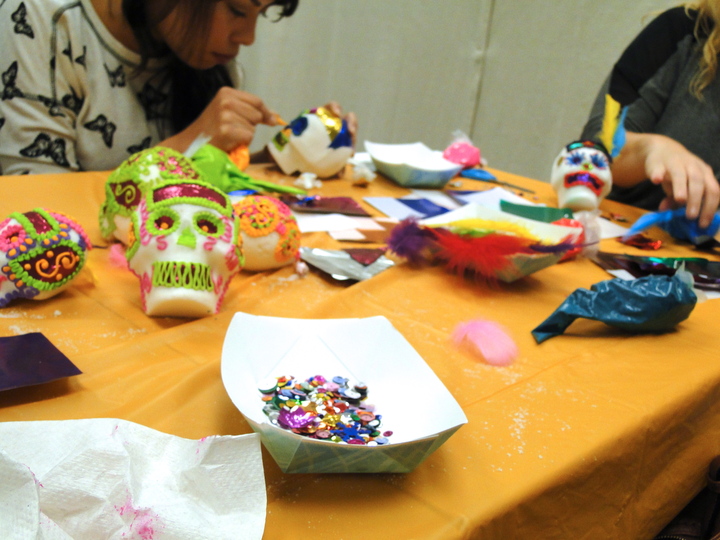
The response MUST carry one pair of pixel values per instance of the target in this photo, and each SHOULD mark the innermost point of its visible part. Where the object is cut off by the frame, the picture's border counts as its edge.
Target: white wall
(518, 76)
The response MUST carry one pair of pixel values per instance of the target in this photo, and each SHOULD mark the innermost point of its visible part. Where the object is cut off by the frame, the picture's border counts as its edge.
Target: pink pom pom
(463, 153)
(116, 256)
(488, 339)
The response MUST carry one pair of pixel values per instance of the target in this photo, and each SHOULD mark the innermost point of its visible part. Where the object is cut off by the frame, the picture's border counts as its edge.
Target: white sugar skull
(40, 253)
(184, 248)
(318, 141)
(124, 186)
(581, 175)
(269, 232)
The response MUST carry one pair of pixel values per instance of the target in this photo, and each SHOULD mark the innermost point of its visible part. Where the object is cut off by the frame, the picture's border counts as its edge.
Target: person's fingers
(656, 172)
(352, 124)
(335, 108)
(695, 191)
(710, 200)
(666, 204)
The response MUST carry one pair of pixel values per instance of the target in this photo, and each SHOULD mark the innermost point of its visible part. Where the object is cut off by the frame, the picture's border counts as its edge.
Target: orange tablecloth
(593, 434)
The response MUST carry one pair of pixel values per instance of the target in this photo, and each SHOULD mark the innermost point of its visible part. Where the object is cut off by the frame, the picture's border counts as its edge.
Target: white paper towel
(105, 478)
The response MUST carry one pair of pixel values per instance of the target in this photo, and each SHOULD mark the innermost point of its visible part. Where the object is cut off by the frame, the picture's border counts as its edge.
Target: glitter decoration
(332, 410)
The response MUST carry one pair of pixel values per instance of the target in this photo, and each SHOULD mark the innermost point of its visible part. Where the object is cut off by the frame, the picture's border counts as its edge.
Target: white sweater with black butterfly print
(72, 98)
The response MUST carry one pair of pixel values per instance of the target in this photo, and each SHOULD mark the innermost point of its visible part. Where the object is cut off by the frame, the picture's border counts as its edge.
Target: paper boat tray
(368, 350)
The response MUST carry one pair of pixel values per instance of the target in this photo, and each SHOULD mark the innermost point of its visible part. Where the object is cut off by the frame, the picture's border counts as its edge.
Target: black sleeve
(648, 52)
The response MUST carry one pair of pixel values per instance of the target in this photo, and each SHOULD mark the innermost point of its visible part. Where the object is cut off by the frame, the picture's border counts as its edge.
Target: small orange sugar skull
(269, 232)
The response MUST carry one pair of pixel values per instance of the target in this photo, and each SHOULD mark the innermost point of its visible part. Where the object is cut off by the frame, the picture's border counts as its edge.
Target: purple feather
(408, 239)
(562, 247)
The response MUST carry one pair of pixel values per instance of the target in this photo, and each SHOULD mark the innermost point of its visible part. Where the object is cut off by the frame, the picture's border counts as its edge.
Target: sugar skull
(184, 248)
(318, 141)
(581, 175)
(269, 232)
(123, 188)
(40, 253)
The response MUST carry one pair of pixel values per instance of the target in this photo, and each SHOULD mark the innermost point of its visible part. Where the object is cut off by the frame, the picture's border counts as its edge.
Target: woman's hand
(229, 120)
(685, 178)
(350, 118)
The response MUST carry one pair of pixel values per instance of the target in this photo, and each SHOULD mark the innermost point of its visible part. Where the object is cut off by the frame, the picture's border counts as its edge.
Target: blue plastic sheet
(649, 304)
(677, 225)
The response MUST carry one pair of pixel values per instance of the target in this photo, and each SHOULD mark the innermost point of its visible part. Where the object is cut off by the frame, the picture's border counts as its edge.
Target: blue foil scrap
(31, 359)
(651, 304)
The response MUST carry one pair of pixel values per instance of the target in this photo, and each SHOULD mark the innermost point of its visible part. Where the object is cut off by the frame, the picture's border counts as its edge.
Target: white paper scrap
(114, 479)
(323, 222)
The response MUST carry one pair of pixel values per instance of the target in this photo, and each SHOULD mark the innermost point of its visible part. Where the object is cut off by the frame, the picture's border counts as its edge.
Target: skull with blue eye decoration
(581, 175)
(318, 141)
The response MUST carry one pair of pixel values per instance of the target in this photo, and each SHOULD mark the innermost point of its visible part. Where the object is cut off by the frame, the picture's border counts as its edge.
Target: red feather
(485, 256)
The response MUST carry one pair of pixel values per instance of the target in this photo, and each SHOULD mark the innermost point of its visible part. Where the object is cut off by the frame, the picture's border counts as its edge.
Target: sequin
(325, 410)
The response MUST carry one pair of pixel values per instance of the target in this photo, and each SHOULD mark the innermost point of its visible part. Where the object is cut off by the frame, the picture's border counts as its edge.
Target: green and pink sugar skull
(124, 187)
(40, 253)
(184, 248)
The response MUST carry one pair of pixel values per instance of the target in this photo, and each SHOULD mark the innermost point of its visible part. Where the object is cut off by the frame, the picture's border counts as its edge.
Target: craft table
(594, 434)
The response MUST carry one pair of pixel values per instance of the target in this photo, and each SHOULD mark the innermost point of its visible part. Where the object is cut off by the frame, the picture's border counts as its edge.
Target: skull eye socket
(163, 222)
(209, 225)
(575, 159)
(599, 161)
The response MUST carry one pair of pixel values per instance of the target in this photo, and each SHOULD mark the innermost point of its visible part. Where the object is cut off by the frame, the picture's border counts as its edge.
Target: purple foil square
(31, 359)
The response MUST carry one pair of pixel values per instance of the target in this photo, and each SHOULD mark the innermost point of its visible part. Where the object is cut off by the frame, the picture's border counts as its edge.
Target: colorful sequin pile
(318, 408)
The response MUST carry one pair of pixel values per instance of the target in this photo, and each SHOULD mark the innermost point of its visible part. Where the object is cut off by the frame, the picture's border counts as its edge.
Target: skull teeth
(182, 275)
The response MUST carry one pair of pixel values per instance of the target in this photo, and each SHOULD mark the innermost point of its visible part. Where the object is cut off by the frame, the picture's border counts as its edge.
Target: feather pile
(484, 249)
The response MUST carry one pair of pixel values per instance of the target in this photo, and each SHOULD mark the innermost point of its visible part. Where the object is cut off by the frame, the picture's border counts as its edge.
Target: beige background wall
(518, 76)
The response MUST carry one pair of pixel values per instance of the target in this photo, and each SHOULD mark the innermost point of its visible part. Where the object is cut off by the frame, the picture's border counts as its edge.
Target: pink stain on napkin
(144, 522)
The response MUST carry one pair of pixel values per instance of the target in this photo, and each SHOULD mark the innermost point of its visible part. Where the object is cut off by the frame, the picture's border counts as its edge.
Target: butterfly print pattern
(44, 145)
(8, 80)
(19, 17)
(116, 76)
(79, 88)
(103, 126)
(73, 101)
(152, 100)
(135, 148)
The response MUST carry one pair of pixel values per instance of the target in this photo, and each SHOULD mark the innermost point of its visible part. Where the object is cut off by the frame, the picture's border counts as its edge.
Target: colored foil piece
(31, 359)
(652, 304)
(342, 266)
(641, 241)
(705, 273)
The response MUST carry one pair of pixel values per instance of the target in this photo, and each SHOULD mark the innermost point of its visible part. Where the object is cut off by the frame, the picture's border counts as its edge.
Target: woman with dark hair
(86, 83)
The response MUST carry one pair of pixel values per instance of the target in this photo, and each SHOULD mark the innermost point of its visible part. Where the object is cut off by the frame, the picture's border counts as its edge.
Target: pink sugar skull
(184, 248)
(317, 141)
(40, 253)
(581, 175)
